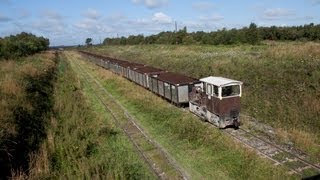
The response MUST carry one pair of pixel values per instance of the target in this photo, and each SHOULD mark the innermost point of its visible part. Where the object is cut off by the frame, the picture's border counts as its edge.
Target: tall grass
(281, 80)
(82, 141)
(25, 107)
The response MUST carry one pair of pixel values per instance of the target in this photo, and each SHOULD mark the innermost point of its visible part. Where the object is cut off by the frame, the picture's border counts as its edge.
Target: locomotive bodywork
(217, 100)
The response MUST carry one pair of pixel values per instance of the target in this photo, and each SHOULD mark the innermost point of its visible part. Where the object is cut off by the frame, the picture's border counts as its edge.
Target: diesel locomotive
(217, 100)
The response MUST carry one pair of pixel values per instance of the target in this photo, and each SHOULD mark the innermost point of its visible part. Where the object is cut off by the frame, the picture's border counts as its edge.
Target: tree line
(246, 35)
(22, 44)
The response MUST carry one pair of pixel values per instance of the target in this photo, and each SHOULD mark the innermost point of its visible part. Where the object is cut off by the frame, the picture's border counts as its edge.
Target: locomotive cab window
(230, 91)
(215, 91)
(209, 89)
(212, 90)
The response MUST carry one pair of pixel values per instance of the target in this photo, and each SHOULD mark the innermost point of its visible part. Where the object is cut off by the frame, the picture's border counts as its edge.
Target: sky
(71, 22)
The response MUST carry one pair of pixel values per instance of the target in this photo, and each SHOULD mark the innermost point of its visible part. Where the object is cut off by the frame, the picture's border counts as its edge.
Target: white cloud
(22, 13)
(203, 6)
(49, 14)
(148, 25)
(308, 18)
(92, 26)
(276, 13)
(151, 3)
(116, 16)
(207, 26)
(4, 18)
(214, 17)
(49, 22)
(161, 18)
(315, 2)
(92, 14)
(49, 26)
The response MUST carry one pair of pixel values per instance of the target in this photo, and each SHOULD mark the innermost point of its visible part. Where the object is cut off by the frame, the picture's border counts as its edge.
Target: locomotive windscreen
(230, 90)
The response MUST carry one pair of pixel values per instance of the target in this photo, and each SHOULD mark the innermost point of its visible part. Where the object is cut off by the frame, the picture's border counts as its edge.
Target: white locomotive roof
(220, 81)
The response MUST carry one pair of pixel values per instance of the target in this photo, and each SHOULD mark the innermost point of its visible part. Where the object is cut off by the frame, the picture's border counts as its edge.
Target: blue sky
(71, 22)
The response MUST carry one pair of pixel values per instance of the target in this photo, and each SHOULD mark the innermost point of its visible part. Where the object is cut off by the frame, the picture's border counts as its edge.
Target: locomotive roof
(220, 81)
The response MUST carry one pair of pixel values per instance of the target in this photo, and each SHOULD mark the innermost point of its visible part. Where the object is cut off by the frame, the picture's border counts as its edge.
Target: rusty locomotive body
(214, 99)
(217, 100)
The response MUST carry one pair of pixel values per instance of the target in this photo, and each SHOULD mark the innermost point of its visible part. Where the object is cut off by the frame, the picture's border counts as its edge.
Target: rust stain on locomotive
(225, 107)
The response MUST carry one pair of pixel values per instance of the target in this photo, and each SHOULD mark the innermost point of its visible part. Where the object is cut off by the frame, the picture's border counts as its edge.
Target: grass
(281, 80)
(82, 141)
(25, 104)
(202, 150)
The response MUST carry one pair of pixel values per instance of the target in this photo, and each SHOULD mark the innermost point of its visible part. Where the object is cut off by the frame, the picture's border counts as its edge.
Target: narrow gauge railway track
(280, 156)
(157, 158)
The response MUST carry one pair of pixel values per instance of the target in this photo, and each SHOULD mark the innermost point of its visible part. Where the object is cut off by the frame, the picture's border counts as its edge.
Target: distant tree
(180, 35)
(150, 39)
(252, 34)
(123, 41)
(1, 54)
(188, 39)
(198, 36)
(89, 41)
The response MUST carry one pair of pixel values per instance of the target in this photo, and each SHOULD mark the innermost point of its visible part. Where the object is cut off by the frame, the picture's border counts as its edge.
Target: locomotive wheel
(236, 124)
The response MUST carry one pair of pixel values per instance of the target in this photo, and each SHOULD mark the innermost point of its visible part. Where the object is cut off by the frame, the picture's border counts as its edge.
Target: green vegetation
(83, 142)
(88, 41)
(281, 80)
(26, 90)
(48, 129)
(22, 44)
(202, 150)
(245, 35)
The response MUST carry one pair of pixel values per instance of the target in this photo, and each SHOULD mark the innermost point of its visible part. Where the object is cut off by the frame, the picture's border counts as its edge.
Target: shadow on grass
(30, 125)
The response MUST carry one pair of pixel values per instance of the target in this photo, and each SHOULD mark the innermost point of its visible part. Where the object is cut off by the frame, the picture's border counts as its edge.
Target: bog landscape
(169, 103)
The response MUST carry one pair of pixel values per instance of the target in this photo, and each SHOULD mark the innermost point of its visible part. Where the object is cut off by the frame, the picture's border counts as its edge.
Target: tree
(253, 34)
(250, 34)
(22, 44)
(89, 41)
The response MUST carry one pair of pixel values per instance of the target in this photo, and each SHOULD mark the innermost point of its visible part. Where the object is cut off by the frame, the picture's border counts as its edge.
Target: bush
(22, 44)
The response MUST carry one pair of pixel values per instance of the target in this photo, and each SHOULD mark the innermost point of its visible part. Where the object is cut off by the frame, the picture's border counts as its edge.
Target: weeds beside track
(296, 163)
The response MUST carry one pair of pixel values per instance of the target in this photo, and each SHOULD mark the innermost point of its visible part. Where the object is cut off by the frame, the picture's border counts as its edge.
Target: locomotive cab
(217, 100)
